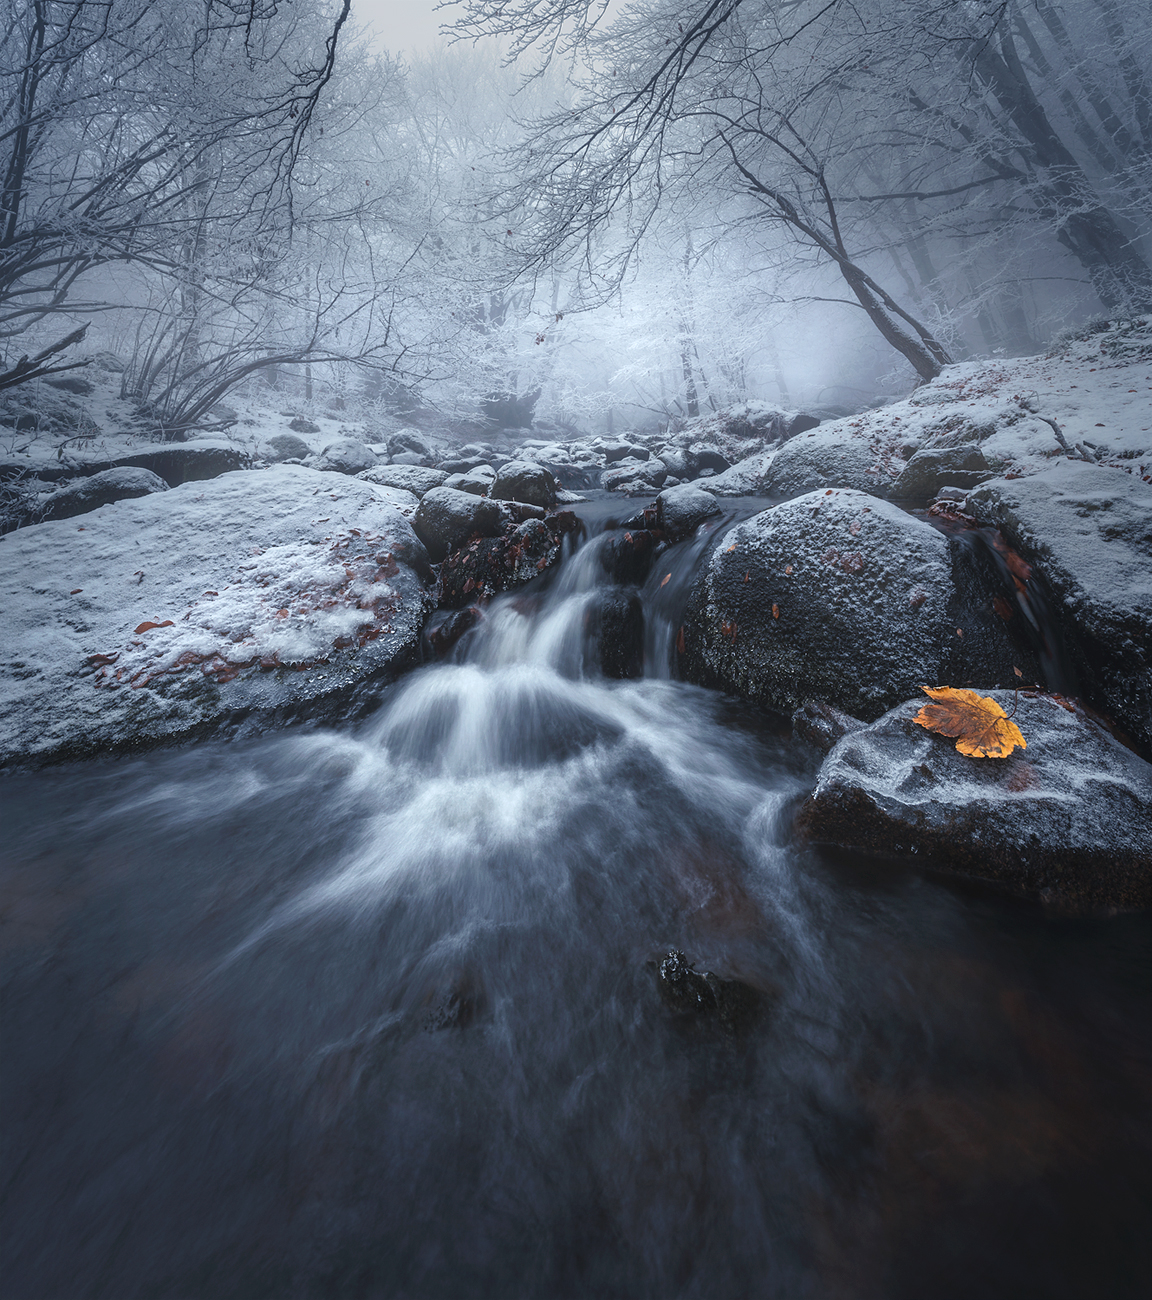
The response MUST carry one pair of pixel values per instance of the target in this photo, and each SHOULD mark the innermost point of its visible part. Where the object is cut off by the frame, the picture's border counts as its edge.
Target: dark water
(371, 1014)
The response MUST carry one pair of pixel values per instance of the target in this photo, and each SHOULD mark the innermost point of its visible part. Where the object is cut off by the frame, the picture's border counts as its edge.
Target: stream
(375, 1012)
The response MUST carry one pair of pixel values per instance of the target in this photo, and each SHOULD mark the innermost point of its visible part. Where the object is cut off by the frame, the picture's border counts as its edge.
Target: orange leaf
(982, 728)
(775, 611)
(147, 627)
(664, 583)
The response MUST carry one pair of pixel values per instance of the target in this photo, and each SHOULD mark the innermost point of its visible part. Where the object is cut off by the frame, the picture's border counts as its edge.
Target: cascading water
(376, 1013)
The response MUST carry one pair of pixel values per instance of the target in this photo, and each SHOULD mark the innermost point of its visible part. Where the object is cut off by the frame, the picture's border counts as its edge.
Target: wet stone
(701, 995)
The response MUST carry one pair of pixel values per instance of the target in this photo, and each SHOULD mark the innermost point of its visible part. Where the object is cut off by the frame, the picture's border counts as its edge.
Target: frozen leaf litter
(256, 590)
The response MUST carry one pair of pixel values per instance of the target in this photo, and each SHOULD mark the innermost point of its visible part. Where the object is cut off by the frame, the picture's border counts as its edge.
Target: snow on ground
(157, 614)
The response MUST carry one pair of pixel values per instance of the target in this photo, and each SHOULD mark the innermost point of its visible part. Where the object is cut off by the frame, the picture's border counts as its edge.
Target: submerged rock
(1069, 817)
(842, 597)
(1088, 529)
(702, 995)
(273, 592)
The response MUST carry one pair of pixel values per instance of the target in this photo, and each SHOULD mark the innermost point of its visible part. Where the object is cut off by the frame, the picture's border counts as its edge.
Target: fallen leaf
(76, 591)
(787, 568)
(982, 728)
(147, 627)
(665, 579)
(775, 611)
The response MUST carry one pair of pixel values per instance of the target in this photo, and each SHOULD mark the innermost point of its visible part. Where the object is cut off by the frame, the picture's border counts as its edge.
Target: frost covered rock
(301, 424)
(346, 456)
(634, 476)
(841, 597)
(680, 510)
(479, 480)
(447, 518)
(287, 446)
(831, 456)
(520, 480)
(417, 479)
(751, 477)
(1088, 531)
(101, 489)
(931, 469)
(487, 565)
(1069, 817)
(180, 462)
(274, 592)
(406, 502)
(702, 456)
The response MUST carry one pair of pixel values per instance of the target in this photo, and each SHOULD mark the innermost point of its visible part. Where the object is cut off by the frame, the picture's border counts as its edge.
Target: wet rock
(276, 593)
(488, 565)
(681, 510)
(287, 446)
(448, 518)
(702, 995)
(627, 556)
(835, 596)
(1088, 531)
(416, 479)
(1069, 817)
(346, 456)
(101, 489)
(614, 632)
(520, 480)
(934, 468)
(802, 422)
(822, 726)
(302, 425)
(830, 456)
(445, 628)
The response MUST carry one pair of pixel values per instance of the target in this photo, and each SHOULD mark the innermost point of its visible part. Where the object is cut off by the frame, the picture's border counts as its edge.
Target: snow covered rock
(346, 456)
(287, 446)
(479, 480)
(417, 479)
(679, 510)
(447, 518)
(634, 476)
(751, 477)
(1088, 530)
(406, 502)
(831, 456)
(275, 592)
(1069, 817)
(101, 489)
(521, 480)
(931, 469)
(177, 462)
(841, 597)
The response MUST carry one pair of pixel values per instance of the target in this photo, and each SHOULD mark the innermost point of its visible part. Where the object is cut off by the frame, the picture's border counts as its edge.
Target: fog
(625, 217)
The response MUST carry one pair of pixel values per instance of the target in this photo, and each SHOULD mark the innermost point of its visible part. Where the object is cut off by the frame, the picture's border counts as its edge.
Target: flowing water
(375, 1012)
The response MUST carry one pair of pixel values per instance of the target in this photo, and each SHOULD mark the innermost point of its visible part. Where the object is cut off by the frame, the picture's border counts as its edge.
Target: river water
(375, 1012)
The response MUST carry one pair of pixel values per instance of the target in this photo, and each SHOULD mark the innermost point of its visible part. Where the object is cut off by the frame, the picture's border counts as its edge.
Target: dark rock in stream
(447, 518)
(842, 597)
(822, 726)
(627, 556)
(702, 995)
(614, 624)
(1069, 817)
(934, 468)
(488, 565)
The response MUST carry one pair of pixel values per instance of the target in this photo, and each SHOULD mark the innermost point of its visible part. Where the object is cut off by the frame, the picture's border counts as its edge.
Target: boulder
(1069, 817)
(346, 456)
(287, 446)
(751, 477)
(182, 462)
(802, 422)
(631, 475)
(831, 456)
(408, 440)
(406, 502)
(626, 557)
(680, 510)
(614, 633)
(488, 565)
(411, 458)
(617, 449)
(1087, 529)
(461, 464)
(479, 480)
(275, 592)
(101, 489)
(841, 597)
(934, 468)
(520, 480)
(821, 726)
(300, 424)
(703, 457)
(417, 479)
(447, 518)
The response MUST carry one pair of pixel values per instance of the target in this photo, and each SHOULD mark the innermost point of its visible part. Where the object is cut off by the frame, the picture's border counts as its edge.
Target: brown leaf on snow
(147, 627)
(981, 727)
